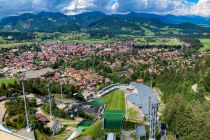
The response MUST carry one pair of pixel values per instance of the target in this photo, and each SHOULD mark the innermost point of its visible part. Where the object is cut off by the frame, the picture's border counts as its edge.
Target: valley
(96, 75)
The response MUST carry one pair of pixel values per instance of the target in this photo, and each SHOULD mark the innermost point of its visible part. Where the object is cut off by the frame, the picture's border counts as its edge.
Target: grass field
(8, 81)
(132, 115)
(60, 136)
(90, 41)
(2, 41)
(8, 45)
(170, 137)
(60, 96)
(206, 43)
(114, 100)
(83, 38)
(157, 41)
(94, 130)
(147, 31)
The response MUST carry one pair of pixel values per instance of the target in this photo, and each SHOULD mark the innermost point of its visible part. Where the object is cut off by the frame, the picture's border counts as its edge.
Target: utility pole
(26, 112)
(49, 99)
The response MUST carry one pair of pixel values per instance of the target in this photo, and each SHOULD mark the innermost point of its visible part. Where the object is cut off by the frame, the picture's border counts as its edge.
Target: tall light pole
(61, 88)
(28, 127)
(49, 99)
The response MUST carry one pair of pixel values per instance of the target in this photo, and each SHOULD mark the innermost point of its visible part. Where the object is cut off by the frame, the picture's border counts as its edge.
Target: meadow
(9, 45)
(157, 41)
(206, 43)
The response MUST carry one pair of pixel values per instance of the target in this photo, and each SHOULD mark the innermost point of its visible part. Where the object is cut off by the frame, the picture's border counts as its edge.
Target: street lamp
(61, 89)
(49, 99)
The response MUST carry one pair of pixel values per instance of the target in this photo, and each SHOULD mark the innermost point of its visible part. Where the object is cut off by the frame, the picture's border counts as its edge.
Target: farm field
(206, 43)
(114, 100)
(8, 45)
(101, 41)
(157, 41)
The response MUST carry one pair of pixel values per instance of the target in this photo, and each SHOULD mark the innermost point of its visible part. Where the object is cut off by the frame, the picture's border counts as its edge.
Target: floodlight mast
(49, 99)
(149, 106)
(61, 88)
(26, 112)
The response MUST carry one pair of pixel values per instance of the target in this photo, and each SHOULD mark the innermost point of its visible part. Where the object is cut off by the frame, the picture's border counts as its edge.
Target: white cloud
(115, 6)
(202, 8)
(149, 5)
(79, 6)
(179, 7)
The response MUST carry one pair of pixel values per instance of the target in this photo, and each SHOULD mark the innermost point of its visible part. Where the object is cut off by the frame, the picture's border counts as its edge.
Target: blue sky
(193, 1)
(177, 7)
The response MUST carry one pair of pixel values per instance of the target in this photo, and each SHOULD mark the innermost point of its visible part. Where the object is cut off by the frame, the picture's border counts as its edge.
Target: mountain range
(50, 22)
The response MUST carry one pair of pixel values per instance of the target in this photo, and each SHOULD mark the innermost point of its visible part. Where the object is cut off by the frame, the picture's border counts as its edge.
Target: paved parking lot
(7, 136)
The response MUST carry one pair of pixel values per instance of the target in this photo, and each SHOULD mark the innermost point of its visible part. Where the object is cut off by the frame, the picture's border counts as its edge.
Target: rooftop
(141, 96)
(37, 73)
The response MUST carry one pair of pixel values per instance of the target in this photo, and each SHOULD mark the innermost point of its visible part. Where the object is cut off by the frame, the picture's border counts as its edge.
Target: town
(105, 70)
(72, 87)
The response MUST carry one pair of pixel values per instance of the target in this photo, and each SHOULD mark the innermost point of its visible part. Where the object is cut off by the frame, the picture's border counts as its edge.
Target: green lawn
(62, 135)
(114, 100)
(8, 81)
(132, 115)
(94, 130)
(206, 43)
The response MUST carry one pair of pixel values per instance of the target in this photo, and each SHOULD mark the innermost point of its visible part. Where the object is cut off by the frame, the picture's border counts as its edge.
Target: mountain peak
(51, 14)
(98, 13)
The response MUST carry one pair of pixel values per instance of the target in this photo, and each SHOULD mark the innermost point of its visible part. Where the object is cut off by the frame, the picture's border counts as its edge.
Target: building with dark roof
(41, 118)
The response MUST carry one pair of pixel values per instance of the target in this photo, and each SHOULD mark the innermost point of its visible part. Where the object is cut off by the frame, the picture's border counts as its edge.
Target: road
(2, 110)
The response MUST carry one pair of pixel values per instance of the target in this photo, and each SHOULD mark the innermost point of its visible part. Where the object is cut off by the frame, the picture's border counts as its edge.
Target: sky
(71, 7)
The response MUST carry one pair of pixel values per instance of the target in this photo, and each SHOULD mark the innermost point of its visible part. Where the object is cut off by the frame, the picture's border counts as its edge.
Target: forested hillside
(186, 112)
(100, 25)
